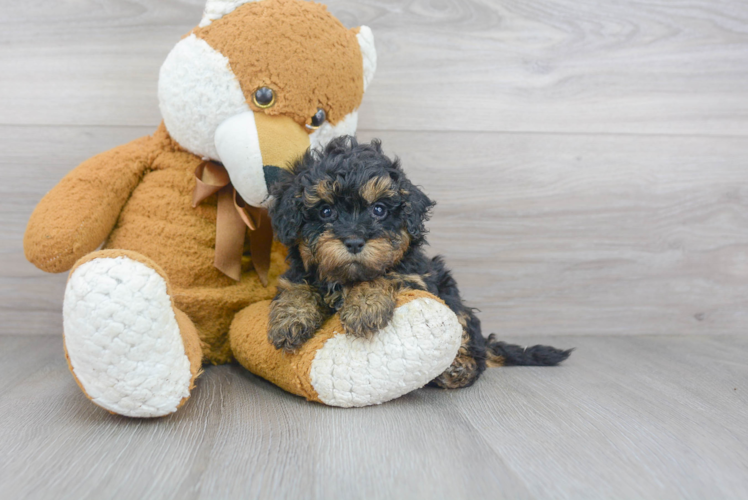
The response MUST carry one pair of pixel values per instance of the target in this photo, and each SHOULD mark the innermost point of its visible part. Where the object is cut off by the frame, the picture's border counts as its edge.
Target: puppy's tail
(503, 354)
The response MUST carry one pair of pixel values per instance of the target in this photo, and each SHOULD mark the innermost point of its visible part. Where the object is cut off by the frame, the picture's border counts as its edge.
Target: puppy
(354, 227)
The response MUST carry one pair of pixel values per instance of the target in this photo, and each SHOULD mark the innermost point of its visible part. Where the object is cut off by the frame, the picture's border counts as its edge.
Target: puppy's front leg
(296, 313)
(368, 307)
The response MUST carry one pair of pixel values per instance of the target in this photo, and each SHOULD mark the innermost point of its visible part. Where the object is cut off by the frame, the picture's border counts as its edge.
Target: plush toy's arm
(420, 342)
(77, 215)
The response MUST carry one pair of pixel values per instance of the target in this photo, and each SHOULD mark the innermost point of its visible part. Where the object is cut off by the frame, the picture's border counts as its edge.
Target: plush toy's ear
(369, 52)
(216, 9)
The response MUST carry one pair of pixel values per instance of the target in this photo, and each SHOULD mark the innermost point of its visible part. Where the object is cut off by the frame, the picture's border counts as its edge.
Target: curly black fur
(349, 215)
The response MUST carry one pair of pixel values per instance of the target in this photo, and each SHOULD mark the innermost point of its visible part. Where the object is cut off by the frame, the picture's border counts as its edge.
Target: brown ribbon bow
(234, 217)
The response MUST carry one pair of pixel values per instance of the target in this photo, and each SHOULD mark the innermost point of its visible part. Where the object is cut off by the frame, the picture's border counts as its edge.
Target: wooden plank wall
(589, 157)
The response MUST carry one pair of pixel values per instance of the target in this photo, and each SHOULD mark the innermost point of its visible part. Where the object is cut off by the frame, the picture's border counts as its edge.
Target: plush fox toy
(170, 253)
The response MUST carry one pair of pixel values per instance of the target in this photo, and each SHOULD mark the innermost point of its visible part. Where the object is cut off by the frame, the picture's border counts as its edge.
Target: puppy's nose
(354, 245)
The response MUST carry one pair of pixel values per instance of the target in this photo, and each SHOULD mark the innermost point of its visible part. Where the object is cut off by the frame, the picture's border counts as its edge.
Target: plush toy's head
(259, 81)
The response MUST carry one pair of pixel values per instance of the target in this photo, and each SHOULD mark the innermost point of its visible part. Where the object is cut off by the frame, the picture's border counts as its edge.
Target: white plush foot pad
(420, 343)
(123, 340)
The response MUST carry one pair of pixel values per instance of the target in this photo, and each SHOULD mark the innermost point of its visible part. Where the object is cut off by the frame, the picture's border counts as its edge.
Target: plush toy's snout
(249, 141)
(206, 112)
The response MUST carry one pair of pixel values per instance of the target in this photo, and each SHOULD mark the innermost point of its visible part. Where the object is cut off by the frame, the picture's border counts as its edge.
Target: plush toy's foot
(129, 349)
(337, 369)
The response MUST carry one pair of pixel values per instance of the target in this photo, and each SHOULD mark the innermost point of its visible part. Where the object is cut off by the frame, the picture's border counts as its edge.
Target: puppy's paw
(290, 334)
(462, 373)
(295, 316)
(368, 308)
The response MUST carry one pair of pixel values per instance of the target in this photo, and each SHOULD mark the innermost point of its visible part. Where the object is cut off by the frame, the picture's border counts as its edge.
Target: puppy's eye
(264, 97)
(326, 212)
(379, 211)
(318, 119)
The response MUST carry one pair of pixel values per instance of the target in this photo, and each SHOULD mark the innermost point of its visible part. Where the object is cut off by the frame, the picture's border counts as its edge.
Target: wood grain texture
(546, 233)
(623, 228)
(637, 417)
(589, 66)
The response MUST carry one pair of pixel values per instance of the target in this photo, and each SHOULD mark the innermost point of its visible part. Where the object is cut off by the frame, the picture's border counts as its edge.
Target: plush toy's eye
(326, 212)
(264, 97)
(379, 211)
(318, 119)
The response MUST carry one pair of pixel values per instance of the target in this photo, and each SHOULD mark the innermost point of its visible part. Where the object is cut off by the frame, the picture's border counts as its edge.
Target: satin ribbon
(234, 218)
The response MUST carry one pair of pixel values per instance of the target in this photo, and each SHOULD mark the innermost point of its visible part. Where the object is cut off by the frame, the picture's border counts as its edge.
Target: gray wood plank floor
(626, 417)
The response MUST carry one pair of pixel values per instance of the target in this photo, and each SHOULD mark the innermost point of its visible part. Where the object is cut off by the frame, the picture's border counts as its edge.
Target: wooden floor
(646, 417)
(590, 161)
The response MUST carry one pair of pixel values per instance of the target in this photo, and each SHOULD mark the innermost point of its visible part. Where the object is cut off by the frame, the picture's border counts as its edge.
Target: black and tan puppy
(354, 227)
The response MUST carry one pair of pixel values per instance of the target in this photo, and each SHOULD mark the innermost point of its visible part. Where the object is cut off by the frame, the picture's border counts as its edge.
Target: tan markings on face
(324, 190)
(306, 255)
(336, 264)
(299, 50)
(378, 253)
(332, 257)
(377, 188)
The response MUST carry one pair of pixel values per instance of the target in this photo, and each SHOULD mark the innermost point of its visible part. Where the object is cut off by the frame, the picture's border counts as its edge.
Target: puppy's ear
(417, 211)
(286, 208)
(277, 179)
(287, 215)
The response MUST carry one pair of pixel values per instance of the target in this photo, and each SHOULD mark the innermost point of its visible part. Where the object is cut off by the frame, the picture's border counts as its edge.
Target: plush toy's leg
(337, 369)
(130, 350)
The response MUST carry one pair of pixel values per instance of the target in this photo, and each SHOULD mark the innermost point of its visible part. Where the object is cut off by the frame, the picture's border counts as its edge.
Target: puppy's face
(353, 231)
(350, 211)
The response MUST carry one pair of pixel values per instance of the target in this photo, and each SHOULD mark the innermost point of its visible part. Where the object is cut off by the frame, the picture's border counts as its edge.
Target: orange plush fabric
(138, 197)
(80, 212)
(271, 43)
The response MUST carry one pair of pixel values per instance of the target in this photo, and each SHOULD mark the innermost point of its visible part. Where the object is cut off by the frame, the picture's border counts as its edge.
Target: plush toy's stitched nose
(354, 245)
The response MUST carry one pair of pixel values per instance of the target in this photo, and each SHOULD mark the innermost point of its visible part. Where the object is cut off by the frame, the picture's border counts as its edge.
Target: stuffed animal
(170, 251)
